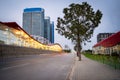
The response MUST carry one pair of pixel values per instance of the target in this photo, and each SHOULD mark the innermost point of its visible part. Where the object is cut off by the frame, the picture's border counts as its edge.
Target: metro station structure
(12, 34)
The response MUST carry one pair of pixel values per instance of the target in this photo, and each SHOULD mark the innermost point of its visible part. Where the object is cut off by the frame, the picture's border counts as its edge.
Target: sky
(12, 11)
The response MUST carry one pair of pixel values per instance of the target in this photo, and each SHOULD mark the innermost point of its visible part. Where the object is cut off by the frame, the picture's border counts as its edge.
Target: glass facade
(27, 26)
(102, 36)
(47, 28)
(33, 9)
(35, 24)
(33, 21)
(52, 32)
(12, 34)
(8, 37)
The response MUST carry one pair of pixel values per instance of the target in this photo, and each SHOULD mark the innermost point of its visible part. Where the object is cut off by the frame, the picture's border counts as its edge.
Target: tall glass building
(52, 32)
(33, 21)
(47, 28)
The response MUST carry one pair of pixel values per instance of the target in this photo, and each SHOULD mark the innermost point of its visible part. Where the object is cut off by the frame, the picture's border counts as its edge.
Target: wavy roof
(16, 26)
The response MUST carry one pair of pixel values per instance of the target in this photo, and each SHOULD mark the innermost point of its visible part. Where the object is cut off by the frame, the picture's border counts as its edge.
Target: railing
(113, 61)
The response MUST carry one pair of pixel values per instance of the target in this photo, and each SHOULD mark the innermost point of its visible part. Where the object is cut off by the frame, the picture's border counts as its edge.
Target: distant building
(33, 21)
(102, 36)
(109, 45)
(47, 28)
(38, 26)
(41, 39)
(52, 32)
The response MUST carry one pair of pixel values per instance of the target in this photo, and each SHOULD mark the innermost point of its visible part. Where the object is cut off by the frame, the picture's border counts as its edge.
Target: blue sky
(11, 10)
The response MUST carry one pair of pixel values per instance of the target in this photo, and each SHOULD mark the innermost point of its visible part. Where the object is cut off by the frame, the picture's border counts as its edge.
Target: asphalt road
(37, 67)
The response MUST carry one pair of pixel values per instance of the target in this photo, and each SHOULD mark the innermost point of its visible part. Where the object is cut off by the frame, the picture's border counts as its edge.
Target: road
(37, 67)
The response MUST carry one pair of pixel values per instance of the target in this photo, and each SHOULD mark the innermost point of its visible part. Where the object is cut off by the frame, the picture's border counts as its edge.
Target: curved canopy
(32, 41)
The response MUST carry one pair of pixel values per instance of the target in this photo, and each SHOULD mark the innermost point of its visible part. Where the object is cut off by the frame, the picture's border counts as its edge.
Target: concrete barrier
(10, 50)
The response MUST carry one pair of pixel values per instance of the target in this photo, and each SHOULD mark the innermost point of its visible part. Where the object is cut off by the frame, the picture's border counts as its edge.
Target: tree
(78, 23)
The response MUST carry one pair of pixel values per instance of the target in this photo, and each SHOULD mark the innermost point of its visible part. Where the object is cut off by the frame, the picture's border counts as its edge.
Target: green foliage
(78, 24)
(114, 54)
(113, 61)
(79, 21)
(1, 42)
(88, 51)
(67, 51)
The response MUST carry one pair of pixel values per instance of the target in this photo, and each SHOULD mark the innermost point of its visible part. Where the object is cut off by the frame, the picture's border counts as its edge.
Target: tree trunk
(78, 51)
(79, 48)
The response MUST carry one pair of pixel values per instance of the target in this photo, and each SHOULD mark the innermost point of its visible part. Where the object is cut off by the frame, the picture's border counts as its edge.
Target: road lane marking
(21, 65)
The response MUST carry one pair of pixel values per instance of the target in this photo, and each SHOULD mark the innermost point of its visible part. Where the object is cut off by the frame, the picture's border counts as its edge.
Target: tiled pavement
(91, 70)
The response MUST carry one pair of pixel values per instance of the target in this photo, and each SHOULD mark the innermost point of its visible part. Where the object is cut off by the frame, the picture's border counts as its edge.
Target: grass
(112, 61)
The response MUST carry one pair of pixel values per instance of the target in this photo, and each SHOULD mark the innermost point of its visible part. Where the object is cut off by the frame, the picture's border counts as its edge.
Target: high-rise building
(52, 32)
(33, 21)
(102, 36)
(47, 28)
(38, 26)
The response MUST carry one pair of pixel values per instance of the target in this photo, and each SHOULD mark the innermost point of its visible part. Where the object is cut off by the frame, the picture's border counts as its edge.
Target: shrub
(114, 54)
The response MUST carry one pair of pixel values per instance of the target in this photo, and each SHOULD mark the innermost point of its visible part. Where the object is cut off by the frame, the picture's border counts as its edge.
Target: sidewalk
(91, 70)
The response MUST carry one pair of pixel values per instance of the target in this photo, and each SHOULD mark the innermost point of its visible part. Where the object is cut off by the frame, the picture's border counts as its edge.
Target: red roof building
(109, 45)
(110, 41)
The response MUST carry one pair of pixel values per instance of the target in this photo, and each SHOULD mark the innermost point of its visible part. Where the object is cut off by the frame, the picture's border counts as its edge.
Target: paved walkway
(91, 70)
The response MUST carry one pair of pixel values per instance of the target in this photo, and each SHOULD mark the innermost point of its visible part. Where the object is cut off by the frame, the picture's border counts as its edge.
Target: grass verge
(112, 61)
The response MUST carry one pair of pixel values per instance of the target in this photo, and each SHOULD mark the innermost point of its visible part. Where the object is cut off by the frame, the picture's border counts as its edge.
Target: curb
(70, 74)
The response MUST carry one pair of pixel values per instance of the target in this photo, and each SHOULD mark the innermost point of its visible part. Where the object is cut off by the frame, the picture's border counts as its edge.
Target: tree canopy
(78, 23)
